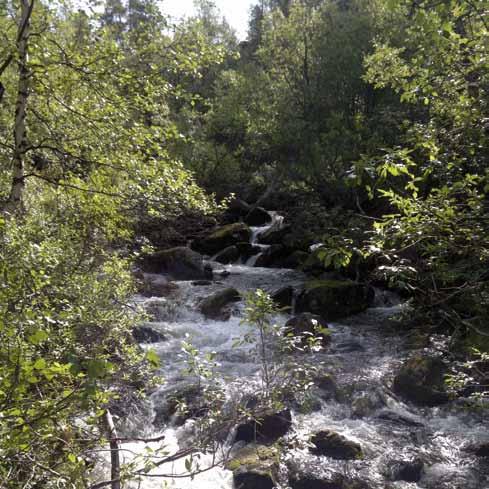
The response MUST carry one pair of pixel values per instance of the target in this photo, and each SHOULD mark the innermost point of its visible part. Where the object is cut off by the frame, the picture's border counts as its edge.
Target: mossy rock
(222, 238)
(255, 467)
(335, 299)
(421, 380)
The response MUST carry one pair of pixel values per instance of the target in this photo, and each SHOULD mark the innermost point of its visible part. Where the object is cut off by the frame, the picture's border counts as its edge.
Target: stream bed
(365, 353)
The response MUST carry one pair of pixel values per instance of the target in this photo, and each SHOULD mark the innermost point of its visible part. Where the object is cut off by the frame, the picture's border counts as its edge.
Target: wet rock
(275, 234)
(183, 403)
(273, 257)
(364, 405)
(334, 481)
(258, 217)
(305, 478)
(222, 238)
(349, 346)
(147, 334)
(283, 297)
(296, 259)
(228, 255)
(153, 285)
(421, 381)
(327, 387)
(180, 263)
(201, 283)
(481, 450)
(213, 306)
(254, 467)
(405, 470)
(398, 418)
(334, 299)
(336, 446)
(307, 325)
(266, 428)
(247, 250)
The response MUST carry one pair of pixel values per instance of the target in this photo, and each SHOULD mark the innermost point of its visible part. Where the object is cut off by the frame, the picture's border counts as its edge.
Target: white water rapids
(364, 354)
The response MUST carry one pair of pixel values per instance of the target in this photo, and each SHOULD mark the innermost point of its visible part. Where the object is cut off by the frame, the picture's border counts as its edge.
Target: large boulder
(335, 299)
(421, 380)
(222, 238)
(283, 297)
(228, 255)
(254, 467)
(275, 234)
(180, 263)
(336, 446)
(213, 307)
(306, 326)
(258, 217)
(266, 428)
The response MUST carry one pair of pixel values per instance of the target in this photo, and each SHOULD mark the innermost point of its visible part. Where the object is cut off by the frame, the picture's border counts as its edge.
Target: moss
(330, 284)
(255, 457)
(224, 231)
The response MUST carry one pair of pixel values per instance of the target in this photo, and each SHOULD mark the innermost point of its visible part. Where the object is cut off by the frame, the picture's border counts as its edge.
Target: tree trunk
(115, 462)
(20, 136)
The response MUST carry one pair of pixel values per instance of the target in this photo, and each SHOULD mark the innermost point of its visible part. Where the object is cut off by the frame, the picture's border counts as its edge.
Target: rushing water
(365, 352)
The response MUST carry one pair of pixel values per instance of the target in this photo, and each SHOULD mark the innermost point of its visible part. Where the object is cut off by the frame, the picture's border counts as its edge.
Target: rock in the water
(336, 446)
(202, 283)
(181, 404)
(213, 306)
(146, 334)
(254, 467)
(222, 238)
(327, 387)
(247, 250)
(283, 297)
(152, 285)
(307, 325)
(258, 217)
(481, 450)
(228, 255)
(405, 470)
(296, 259)
(273, 257)
(306, 478)
(265, 429)
(181, 263)
(364, 405)
(275, 234)
(335, 299)
(421, 381)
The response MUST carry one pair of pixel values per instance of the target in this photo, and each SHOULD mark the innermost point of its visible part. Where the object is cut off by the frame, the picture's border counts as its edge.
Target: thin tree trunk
(115, 462)
(20, 135)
